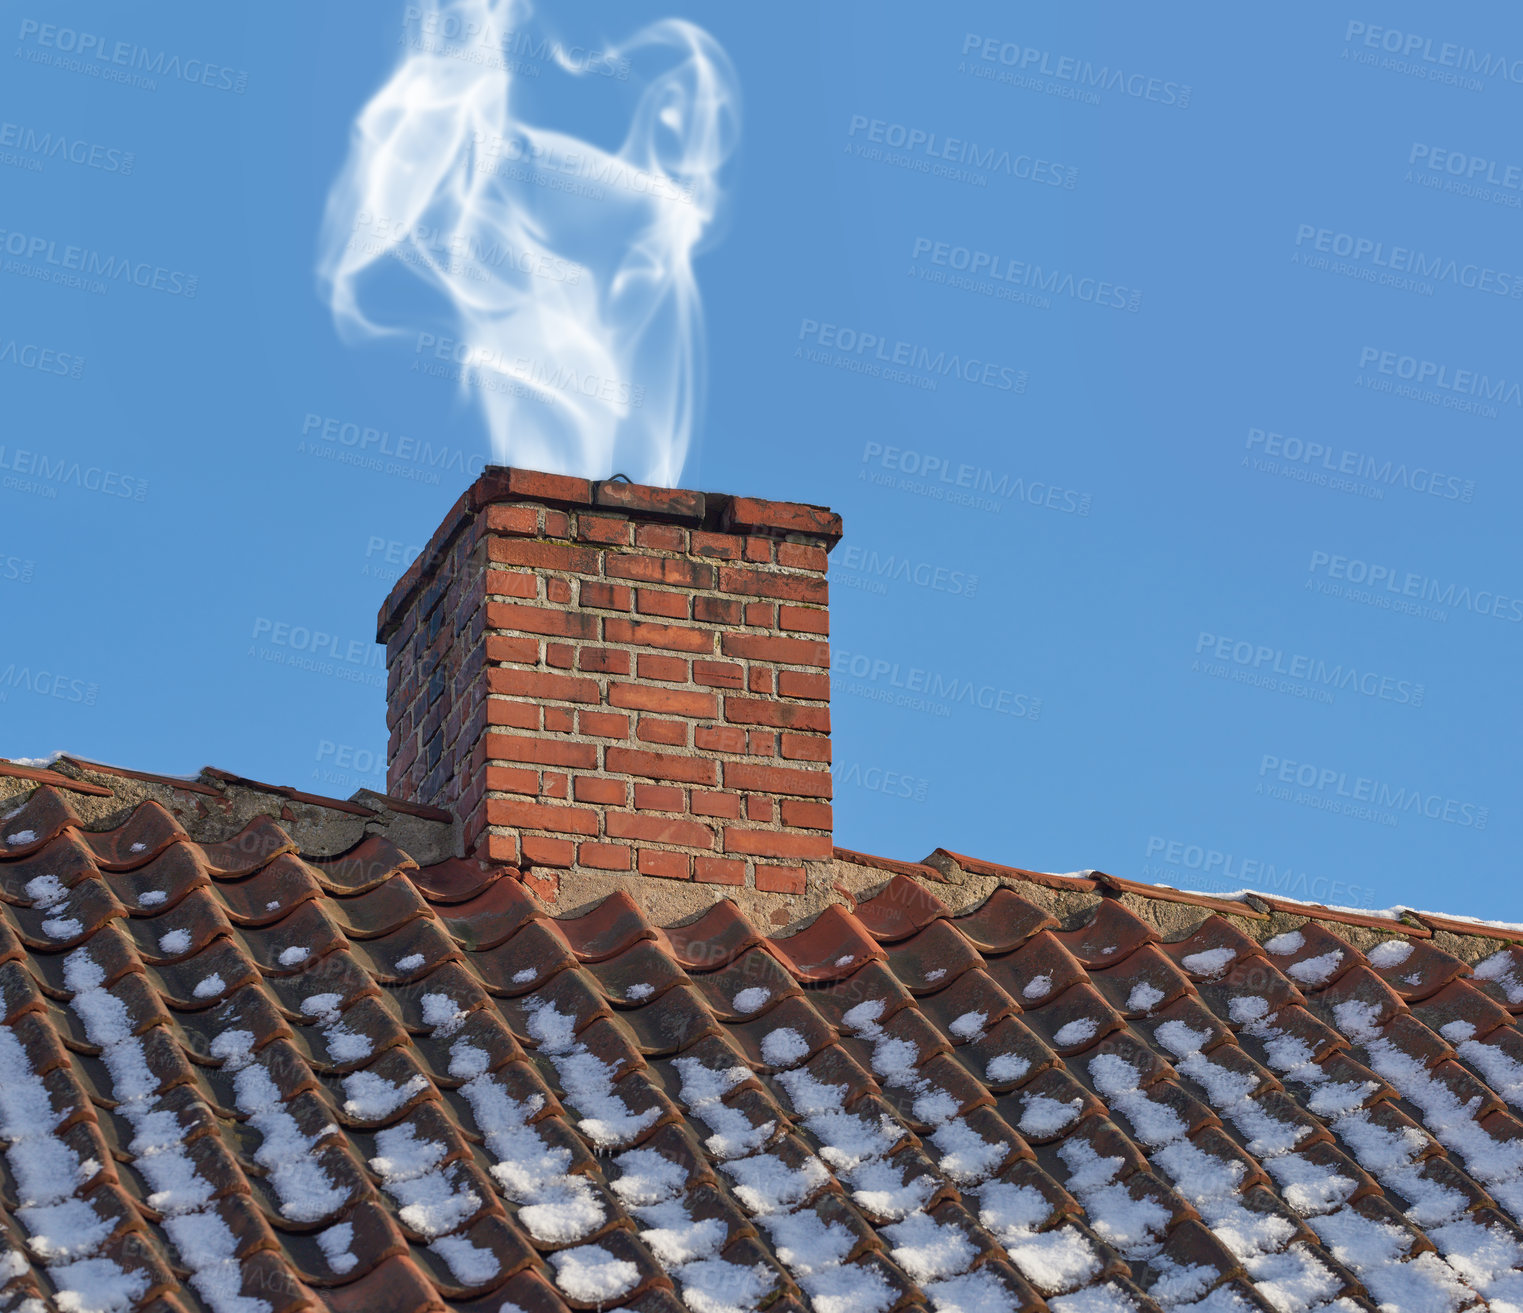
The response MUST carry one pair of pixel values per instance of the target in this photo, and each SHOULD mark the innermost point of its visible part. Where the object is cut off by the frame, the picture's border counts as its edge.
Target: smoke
(566, 268)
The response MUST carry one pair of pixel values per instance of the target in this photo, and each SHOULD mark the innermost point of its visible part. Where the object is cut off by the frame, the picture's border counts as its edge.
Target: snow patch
(751, 1000)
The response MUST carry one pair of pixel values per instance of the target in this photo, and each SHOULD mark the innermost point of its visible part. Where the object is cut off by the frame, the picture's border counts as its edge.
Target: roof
(240, 1074)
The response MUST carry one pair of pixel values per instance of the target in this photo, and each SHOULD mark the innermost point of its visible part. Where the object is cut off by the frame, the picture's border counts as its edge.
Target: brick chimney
(606, 677)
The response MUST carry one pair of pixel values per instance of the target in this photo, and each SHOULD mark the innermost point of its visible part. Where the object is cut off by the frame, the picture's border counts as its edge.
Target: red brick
(588, 788)
(803, 684)
(560, 655)
(761, 615)
(540, 850)
(662, 766)
(719, 738)
(719, 870)
(537, 620)
(804, 619)
(801, 556)
(511, 583)
(805, 815)
(783, 715)
(658, 798)
(773, 583)
(776, 779)
(759, 808)
(604, 856)
(805, 747)
(663, 537)
(671, 733)
(526, 815)
(552, 487)
(542, 685)
(777, 843)
(767, 647)
(604, 724)
(502, 849)
(603, 529)
(518, 715)
(780, 879)
(674, 866)
(558, 591)
(653, 665)
(659, 829)
(510, 647)
(745, 513)
(760, 679)
(761, 743)
(720, 546)
(557, 524)
(726, 805)
(718, 674)
(669, 701)
(675, 638)
(603, 660)
(717, 610)
(607, 597)
(553, 784)
(545, 752)
(544, 556)
(522, 520)
(674, 606)
(671, 570)
(560, 720)
(759, 550)
(511, 779)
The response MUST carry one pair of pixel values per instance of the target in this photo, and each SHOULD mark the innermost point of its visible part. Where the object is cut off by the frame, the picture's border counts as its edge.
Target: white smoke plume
(567, 268)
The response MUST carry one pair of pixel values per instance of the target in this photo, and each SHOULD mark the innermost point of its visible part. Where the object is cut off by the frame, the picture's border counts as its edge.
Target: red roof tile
(233, 1077)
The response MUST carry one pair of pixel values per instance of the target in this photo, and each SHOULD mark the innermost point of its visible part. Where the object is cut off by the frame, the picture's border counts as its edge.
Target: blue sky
(1222, 525)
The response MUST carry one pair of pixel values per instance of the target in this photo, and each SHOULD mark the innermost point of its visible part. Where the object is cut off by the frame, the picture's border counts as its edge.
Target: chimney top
(716, 512)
